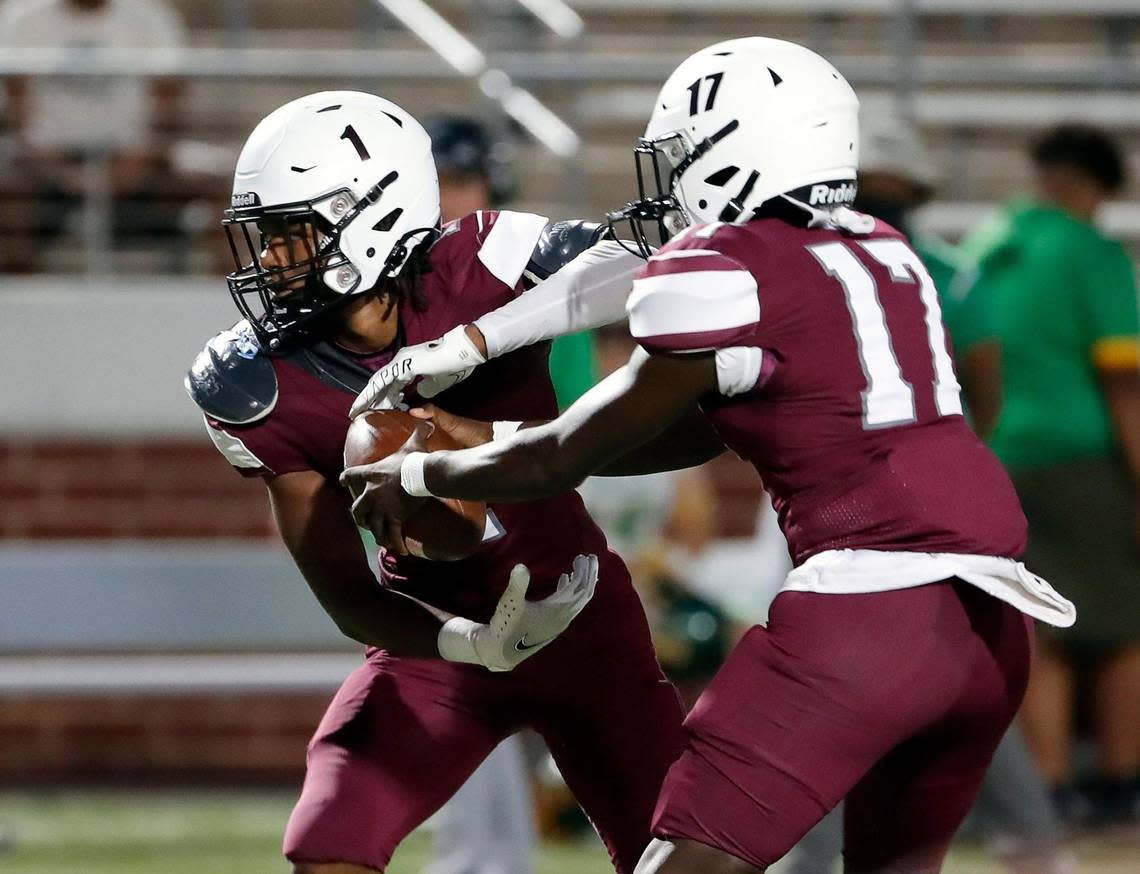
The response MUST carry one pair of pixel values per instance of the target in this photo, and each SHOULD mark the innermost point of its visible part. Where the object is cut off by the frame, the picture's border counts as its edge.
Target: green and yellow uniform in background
(1061, 299)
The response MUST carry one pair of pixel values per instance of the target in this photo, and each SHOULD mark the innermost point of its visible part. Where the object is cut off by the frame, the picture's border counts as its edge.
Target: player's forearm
(519, 469)
(401, 625)
(541, 459)
(18, 111)
(620, 414)
(1122, 391)
(366, 612)
(689, 442)
(316, 527)
(587, 293)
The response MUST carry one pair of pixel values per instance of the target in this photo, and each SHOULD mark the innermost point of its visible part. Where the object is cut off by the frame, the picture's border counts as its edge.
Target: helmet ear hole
(722, 177)
(389, 221)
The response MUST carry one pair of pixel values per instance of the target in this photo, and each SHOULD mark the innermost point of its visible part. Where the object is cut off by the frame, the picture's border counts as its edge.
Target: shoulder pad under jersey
(561, 243)
(232, 379)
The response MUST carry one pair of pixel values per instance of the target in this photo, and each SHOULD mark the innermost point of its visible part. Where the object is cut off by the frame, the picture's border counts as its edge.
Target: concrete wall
(136, 597)
(106, 357)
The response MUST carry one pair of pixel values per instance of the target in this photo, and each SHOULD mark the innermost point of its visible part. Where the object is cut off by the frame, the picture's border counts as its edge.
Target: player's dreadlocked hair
(407, 286)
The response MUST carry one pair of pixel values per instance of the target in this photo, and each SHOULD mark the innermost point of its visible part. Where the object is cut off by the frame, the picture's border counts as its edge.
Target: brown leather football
(442, 529)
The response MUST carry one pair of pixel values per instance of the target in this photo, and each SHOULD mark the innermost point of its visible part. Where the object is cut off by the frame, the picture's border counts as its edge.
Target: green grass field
(211, 832)
(193, 832)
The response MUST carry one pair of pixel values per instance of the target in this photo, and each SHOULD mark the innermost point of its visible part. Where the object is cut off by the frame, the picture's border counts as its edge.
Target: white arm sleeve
(587, 293)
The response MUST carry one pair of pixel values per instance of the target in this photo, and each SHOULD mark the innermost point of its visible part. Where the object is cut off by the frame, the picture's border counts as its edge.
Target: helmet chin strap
(817, 218)
(400, 253)
(733, 209)
(841, 217)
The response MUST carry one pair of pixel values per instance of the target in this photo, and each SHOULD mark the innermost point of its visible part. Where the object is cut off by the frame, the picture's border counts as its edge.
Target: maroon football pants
(402, 735)
(894, 700)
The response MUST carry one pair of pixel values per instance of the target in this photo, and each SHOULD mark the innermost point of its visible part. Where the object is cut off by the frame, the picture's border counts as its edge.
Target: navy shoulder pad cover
(232, 379)
(560, 243)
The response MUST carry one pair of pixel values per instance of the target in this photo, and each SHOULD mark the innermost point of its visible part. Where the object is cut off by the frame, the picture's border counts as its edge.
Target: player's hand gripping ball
(440, 529)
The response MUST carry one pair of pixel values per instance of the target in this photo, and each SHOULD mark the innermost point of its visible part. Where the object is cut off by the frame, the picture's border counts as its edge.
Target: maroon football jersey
(476, 267)
(854, 421)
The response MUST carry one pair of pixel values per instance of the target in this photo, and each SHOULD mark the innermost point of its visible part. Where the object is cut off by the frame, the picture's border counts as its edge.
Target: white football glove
(520, 628)
(438, 364)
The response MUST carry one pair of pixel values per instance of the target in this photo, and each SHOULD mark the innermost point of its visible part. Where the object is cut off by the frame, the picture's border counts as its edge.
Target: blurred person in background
(476, 171)
(488, 825)
(1060, 298)
(84, 137)
(1014, 809)
(897, 177)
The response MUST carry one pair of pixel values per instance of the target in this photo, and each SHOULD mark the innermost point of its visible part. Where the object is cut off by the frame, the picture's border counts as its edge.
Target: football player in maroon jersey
(340, 263)
(807, 338)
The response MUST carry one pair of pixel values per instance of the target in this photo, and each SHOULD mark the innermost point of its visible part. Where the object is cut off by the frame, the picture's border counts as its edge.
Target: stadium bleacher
(980, 78)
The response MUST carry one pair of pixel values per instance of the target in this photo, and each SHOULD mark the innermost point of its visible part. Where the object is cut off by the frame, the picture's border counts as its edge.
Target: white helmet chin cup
(333, 150)
(758, 118)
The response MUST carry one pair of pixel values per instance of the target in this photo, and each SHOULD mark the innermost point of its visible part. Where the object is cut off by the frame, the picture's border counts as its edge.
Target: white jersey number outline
(889, 399)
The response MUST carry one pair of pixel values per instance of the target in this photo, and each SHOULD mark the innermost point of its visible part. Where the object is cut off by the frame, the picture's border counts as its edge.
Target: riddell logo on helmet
(828, 194)
(245, 198)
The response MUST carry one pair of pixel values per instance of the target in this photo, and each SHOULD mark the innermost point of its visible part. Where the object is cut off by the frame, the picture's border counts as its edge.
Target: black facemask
(289, 301)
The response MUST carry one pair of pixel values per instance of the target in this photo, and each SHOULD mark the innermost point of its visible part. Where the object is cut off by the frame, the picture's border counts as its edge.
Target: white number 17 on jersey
(888, 398)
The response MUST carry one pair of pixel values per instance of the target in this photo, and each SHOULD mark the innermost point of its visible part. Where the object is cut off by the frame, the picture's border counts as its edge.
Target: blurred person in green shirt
(896, 177)
(1061, 300)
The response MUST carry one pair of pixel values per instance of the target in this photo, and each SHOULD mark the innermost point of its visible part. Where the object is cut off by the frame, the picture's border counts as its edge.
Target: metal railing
(597, 93)
(1076, 8)
(576, 68)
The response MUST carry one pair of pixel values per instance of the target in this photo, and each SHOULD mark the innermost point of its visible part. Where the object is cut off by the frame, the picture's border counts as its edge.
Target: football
(442, 529)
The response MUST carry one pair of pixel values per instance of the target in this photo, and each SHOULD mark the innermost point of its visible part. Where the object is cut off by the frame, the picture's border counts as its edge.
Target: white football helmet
(740, 123)
(347, 181)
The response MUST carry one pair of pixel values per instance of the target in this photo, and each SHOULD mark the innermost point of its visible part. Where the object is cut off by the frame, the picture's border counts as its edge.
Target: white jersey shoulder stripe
(699, 232)
(684, 253)
(509, 244)
(692, 302)
(235, 452)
